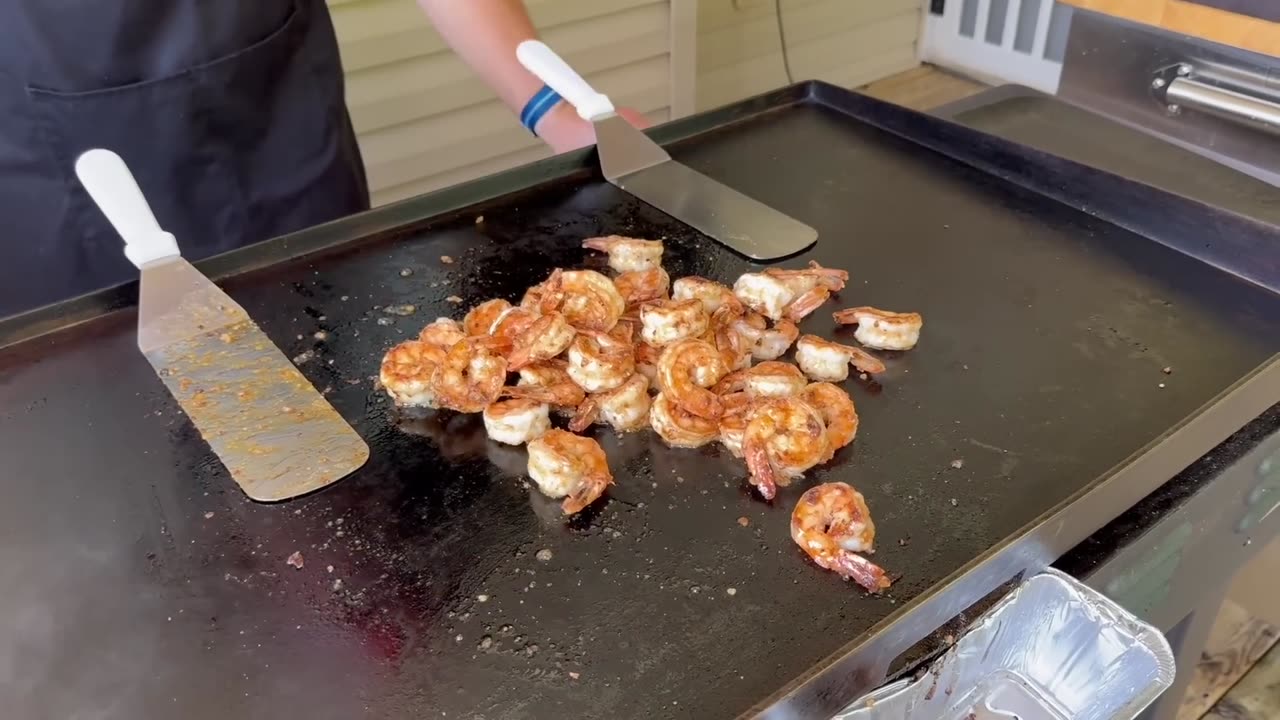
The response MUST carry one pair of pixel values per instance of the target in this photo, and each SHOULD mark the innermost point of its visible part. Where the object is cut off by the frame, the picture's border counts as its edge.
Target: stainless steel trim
(1227, 104)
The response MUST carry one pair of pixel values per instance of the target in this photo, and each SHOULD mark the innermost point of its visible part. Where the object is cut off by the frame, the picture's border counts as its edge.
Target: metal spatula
(633, 162)
(277, 436)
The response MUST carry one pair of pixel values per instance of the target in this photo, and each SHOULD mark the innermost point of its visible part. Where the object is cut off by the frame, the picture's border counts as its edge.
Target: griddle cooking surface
(140, 582)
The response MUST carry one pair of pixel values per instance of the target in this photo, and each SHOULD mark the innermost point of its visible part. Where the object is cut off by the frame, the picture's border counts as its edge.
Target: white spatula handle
(551, 69)
(111, 185)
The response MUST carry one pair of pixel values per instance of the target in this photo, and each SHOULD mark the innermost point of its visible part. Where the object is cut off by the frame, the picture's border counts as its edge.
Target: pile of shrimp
(695, 360)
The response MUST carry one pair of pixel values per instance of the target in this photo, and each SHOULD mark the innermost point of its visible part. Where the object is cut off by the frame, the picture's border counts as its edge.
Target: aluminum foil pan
(1052, 649)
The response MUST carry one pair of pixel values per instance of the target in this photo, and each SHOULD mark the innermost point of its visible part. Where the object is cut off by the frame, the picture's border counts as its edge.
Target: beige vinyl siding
(425, 121)
(845, 42)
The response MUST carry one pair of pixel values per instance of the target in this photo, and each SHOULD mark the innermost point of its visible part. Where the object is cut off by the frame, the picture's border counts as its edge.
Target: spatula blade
(633, 162)
(276, 435)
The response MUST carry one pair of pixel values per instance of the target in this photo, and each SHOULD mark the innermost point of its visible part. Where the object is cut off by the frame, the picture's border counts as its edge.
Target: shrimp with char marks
(569, 466)
(646, 357)
(722, 332)
(832, 523)
(803, 280)
(665, 322)
(774, 342)
(443, 333)
(548, 382)
(679, 427)
(712, 294)
(544, 339)
(685, 372)
(625, 408)
(627, 254)
(511, 323)
(516, 421)
(642, 286)
(470, 376)
(837, 411)
(784, 437)
(827, 361)
(588, 299)
(406, 373)
(768, 379)
(733, 422)
(481, 318)
(882, 329)
(599, 362)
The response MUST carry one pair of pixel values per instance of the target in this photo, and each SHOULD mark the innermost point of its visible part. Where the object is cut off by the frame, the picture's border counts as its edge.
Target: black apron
(230, 113)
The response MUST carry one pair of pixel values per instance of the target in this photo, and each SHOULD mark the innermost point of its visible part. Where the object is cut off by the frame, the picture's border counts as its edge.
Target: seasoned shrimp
(516, 421)
(470, 376)
(406, 373)
(663, 323)
(443, 333)
(712, 294)
(548, 382)
(733, 423)
(837, 411)
(768, 379)
(803, 280)
(545, 338)
(627, 254)
(678, 427)
(722, 332)
(647, 357)
(569, 466)
(806, 302)
(625, 407)
(511, 323)
(598, 361)
(764, 294)
(685, 371)
(832, 523)
(783, 438)
(481, 319)
(882, 329)
(773, 343)
(641, 286)
(588, 299)
(828, 361)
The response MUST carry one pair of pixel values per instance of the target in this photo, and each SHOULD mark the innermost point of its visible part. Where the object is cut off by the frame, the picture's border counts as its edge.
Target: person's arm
(485, 33)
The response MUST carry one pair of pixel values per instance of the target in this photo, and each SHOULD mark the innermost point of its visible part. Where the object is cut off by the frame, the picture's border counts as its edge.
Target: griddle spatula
(638, 165)
(275, 434)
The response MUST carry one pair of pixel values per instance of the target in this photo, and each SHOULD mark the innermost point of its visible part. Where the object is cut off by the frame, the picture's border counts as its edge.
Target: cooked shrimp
(882, 329)
(640, 286)
(406, 373)
(733, 423)
(828, 361)
(481, 319)
(712, 294)
(806, 279)
(773, 343)
(647, 357)
(784, 437)
(627, 254)
(516, 421)
(768, 379)
(545, 338)
(548, 382)
(678, 427)
(734, 349)
(442, 332)
(569, 466)
(588, 299)
(831, 523)
(763, 293)
(598, 361)
(470, 376)
(511, 323)
(625, 407)
(806, 302)
(665, 322)
(685, 371)
(837, 411)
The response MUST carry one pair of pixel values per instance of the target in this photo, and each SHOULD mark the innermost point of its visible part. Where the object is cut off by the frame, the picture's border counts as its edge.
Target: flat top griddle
(140, 580)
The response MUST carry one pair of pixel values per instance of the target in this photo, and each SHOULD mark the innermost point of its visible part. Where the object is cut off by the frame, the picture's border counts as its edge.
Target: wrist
(563, 129)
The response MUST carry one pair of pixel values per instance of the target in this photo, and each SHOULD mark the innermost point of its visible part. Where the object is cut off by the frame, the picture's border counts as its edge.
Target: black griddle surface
(139, 582)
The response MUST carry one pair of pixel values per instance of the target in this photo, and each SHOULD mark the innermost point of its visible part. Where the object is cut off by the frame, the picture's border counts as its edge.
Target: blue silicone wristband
(538, 105)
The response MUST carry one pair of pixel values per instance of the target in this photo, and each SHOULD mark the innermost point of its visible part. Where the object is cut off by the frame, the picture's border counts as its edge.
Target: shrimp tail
(520, 357)
(857, 568)
(603, 244)
(762, 472)
(830, 277)
(586, 414)
(803, 306)
(865, 361)
(590, 490)
(848, 316)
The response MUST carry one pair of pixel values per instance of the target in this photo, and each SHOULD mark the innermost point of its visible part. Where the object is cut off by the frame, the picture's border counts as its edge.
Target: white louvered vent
(1016, 41)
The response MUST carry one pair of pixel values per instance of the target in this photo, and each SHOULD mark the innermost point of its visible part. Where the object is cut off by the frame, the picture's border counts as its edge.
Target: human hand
(564, 130)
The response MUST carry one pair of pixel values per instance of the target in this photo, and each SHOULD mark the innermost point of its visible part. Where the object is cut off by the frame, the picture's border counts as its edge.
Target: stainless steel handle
(1227, 104)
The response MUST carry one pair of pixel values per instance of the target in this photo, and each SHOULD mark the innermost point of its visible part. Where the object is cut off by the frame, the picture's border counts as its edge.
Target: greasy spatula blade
(638, 165)
(275, 434)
